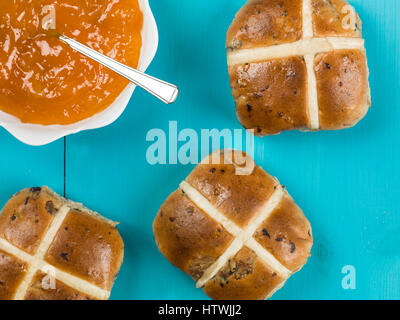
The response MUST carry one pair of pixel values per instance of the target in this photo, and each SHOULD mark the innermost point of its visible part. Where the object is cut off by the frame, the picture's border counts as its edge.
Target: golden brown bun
(290, 70)
(271, 96)
(89, 248)
(265, 23)
(187, 236)
(26, 217)
(231, 193)
(39, 229)
(292, 247)
(12, 271)
(244, 277)
(341, 82)
(328, 16)
(214, 227)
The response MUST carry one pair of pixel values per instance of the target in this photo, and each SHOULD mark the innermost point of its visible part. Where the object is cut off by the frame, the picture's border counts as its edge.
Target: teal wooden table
(347, 182)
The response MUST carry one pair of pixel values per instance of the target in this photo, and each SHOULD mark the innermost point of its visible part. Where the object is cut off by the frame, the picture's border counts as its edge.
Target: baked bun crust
(297, 64)
(46, 239)
(238, 236)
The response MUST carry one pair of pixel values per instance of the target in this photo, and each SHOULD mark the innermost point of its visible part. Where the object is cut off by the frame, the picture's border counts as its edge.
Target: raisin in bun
(297, 64)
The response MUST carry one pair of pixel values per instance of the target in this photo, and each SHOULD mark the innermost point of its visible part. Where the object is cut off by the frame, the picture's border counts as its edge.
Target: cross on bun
(55, 249)
(238, 236)
(297, 64)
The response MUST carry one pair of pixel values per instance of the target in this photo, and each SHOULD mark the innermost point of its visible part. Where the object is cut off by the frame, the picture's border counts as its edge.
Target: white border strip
(312, 93)
(308, 31)
(299, 48)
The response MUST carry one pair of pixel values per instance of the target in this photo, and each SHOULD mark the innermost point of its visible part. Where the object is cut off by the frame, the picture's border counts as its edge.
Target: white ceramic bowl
(37, 135)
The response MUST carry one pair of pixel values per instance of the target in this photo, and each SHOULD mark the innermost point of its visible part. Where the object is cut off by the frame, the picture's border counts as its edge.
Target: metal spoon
(164, 91)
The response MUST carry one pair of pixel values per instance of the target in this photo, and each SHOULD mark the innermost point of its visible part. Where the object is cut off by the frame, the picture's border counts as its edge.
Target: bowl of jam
(47, 90)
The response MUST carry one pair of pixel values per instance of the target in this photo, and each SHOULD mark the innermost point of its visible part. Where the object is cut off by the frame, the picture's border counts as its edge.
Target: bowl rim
(38, 135)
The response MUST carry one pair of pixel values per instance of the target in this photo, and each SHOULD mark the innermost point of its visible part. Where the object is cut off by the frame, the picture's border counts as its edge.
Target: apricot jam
(42, 80)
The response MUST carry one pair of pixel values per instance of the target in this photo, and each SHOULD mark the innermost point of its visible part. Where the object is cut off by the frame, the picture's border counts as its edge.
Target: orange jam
(42, 80)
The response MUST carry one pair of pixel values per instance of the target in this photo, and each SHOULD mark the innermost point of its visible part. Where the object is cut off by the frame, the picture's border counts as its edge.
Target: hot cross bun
(239, 236)
(55, 249)
(298, 64)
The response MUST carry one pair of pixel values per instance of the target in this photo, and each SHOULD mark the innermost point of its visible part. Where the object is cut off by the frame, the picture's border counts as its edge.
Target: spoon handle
(164, 91)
